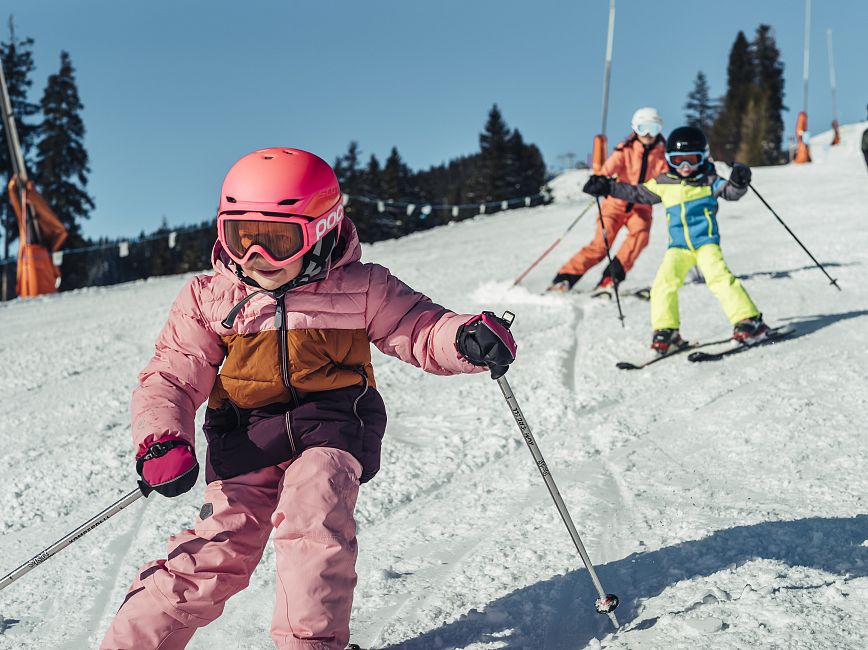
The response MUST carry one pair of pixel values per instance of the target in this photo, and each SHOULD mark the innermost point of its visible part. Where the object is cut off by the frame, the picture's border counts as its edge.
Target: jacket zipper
(359, 398)
(283, 351)
(710, 225)
(684, 218)
(289, 434)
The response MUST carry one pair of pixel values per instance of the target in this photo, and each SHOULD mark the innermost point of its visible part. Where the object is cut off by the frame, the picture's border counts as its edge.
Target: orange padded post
(600, 153)
(803, 152)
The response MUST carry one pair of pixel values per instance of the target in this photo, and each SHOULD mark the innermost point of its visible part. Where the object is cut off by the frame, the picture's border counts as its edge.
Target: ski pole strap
(157, 449)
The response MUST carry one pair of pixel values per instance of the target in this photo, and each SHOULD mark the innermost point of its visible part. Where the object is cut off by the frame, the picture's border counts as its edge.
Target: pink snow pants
(310, 504)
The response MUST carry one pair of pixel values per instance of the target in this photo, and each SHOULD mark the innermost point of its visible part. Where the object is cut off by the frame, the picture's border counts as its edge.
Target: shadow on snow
(559, 611)
(805, 325)
(788, 273)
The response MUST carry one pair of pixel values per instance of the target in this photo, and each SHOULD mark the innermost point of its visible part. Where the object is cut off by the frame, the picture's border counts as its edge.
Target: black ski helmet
(687, 139)
(684, 141)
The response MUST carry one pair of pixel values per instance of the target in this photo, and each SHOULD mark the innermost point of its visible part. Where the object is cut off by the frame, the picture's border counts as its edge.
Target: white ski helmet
(647, 121)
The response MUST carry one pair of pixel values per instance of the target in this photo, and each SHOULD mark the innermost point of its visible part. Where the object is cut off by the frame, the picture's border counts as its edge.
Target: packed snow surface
(724, 503)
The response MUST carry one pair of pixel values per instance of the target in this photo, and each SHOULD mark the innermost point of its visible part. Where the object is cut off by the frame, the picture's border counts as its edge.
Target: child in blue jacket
(689, 191)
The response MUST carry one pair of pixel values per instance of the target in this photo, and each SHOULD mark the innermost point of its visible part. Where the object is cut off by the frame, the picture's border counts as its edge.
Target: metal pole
(16, 157)
(609, 256)
(607, 602)
(9, 124)
(15, 154)
(806, 61)
(6, 112)
(68, 539)
(832, 74)
(608, 68)
(832, 280)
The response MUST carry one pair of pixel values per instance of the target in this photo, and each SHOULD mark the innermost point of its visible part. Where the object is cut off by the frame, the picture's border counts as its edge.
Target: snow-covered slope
(725, 503)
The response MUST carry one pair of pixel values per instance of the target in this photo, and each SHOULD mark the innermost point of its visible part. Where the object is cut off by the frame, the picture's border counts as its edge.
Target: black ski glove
(598, 186)
(485, 340)
(740, 175)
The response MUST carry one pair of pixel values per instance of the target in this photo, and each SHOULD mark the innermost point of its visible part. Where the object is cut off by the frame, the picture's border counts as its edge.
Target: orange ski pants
(638, 223)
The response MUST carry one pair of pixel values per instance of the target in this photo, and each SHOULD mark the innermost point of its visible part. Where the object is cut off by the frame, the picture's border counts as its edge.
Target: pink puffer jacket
(328, 323)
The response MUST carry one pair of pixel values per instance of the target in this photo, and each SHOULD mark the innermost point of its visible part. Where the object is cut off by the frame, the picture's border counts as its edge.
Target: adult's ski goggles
(691, 158)
(279, 238)
(649, 128)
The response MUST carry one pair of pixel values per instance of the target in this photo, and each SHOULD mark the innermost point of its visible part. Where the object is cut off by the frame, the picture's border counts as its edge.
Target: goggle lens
(678, 159)
(281, 240)
(649, 128)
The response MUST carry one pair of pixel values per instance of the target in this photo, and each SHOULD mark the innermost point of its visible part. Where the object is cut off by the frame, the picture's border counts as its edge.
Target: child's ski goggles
(279, 238)
(649, 128)
(691, 158)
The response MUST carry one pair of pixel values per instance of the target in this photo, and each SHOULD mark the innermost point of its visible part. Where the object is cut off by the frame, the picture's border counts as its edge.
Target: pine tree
(61, 159)
(750, 126)
(17, 59)
(754, 123)
(491, 182)
(371, 183)
(395, 177)
(700, 111)
(527, 170)
(347, 169)
(726, 134)
(769, 71)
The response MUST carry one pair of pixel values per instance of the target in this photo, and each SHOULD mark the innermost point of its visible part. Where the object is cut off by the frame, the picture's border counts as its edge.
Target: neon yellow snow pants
(724, 285)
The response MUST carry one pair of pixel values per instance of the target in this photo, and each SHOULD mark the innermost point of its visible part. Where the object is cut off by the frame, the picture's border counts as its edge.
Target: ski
(774, 335)
(641, 294)
(627, 365)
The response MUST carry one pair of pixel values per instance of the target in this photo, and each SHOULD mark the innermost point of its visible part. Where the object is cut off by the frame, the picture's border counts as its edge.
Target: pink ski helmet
(279, 203)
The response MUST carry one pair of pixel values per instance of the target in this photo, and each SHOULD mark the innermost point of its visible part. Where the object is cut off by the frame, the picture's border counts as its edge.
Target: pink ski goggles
(279, 238)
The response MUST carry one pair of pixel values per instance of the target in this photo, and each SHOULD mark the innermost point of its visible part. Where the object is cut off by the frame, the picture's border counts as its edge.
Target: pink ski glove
(485, 340)
(167, 466)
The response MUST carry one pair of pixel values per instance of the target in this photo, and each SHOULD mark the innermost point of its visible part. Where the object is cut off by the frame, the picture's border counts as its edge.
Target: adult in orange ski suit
(632, 161)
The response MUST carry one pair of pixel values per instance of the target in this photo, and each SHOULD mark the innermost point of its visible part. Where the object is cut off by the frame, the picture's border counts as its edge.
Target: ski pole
(68, 539)
(606, 603)
(609, 255)
(550, 248)
(833, 281)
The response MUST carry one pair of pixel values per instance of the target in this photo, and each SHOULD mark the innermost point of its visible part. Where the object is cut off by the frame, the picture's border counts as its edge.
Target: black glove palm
(740, 175)
(598, 186)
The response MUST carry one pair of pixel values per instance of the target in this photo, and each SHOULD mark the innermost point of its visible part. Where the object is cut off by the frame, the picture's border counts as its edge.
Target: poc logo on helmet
(327, 223)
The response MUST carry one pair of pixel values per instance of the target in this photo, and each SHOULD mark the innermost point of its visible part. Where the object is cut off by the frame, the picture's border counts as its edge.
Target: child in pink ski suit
(277, 341)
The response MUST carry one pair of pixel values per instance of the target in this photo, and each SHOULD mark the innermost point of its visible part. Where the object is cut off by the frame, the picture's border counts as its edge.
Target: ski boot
(605, 288)
(559, 287)
(612, 274)
(563, 282)
(750, 330)
(666, 340)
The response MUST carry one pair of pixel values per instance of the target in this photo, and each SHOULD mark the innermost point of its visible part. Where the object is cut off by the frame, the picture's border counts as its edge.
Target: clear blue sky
(175, 91)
